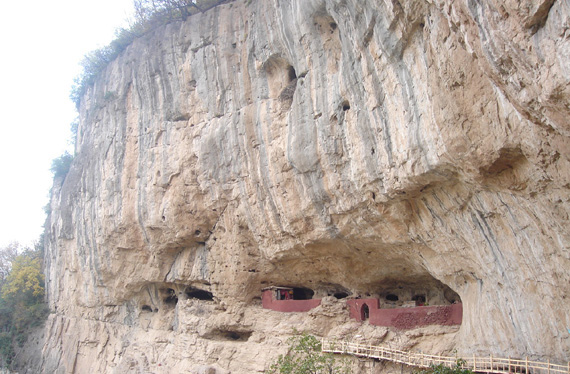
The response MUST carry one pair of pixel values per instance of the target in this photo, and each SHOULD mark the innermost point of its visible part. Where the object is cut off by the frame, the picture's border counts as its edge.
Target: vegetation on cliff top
(149, 15)
(60, 166)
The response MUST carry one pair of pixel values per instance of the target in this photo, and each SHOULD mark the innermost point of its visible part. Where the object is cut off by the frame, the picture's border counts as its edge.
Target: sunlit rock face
(352, 148)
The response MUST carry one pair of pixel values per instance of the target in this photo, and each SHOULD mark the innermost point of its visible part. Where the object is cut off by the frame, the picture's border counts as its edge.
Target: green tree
(61, 165)
(24, 284)
(21, 298)
(7, 256)
(305, 357)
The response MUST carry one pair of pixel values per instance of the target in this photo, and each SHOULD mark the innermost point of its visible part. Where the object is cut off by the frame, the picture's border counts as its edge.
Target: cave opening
(229, 335)
(146, 308)
(170, 297)
(196, 293)
(301, 293)
(291, 74)
(340, 295)
(392, 297)
(420, 300)
(451, 296)
(422, 290)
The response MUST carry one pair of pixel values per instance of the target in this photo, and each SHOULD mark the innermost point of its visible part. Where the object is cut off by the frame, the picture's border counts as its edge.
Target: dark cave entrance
(419, 299)
(196, 293)
(293, 293)
(341, 295)
(300, 293)
(170, 297)
(392, 297)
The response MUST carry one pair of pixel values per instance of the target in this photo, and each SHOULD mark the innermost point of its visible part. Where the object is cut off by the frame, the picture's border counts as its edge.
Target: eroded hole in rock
(392, 297)
(451, 296)
(329, 31)
(196, 293)
(169, 296)
(281, 78)
(409, 292)
(340, 295)
(229, 335)
(345, 105)
(288, 92)
(146, 308)
(507, 159)
(292, 75)
(335, 290)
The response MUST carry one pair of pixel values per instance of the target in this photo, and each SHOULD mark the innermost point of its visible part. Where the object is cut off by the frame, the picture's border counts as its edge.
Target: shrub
(21, 300)
(60, 166)
(305, 357)
(149, 15)
(442, 369)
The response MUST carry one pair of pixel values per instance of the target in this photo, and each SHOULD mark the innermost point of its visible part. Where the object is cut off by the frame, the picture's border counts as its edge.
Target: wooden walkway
(487, 364)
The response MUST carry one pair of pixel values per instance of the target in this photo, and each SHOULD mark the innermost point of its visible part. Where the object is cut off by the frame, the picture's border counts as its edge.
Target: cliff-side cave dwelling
(391, 173)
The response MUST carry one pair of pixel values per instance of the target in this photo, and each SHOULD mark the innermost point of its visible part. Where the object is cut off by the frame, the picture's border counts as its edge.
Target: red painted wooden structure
(268, 302)
(405, 318)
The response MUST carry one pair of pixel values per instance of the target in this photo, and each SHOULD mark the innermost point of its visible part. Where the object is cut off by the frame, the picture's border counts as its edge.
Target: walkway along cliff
(356, 149)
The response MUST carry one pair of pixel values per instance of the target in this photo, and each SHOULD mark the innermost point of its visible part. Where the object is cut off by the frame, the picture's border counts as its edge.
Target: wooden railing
(488, 364)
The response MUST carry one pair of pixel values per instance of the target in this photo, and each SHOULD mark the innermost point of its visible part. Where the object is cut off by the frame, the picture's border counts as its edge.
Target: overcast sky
(42, 43)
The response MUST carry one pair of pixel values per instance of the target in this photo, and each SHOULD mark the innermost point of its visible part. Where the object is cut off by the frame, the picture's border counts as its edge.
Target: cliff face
(361, 148)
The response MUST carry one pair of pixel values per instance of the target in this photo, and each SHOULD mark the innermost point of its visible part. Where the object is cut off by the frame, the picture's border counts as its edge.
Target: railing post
(549, 366)
(509, 364)
(491, 357)
(526, 364)
(474, 363)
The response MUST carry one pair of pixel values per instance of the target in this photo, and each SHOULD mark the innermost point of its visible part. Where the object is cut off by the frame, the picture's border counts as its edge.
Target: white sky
(42, 43)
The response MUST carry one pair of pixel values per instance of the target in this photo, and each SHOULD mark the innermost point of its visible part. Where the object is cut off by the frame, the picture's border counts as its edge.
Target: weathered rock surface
(339, 145)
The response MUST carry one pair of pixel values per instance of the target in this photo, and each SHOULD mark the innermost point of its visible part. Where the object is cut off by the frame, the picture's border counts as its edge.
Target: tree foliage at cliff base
(305, 357)
(22, 305)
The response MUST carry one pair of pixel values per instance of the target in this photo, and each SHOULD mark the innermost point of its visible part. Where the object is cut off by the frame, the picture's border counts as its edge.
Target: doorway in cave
(364, 312)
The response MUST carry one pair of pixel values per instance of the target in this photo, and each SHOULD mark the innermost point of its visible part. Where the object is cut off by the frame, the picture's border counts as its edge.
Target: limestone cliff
(353, 148)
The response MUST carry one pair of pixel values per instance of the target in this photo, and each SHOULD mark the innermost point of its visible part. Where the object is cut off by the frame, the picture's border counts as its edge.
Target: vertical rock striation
(349, 147)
